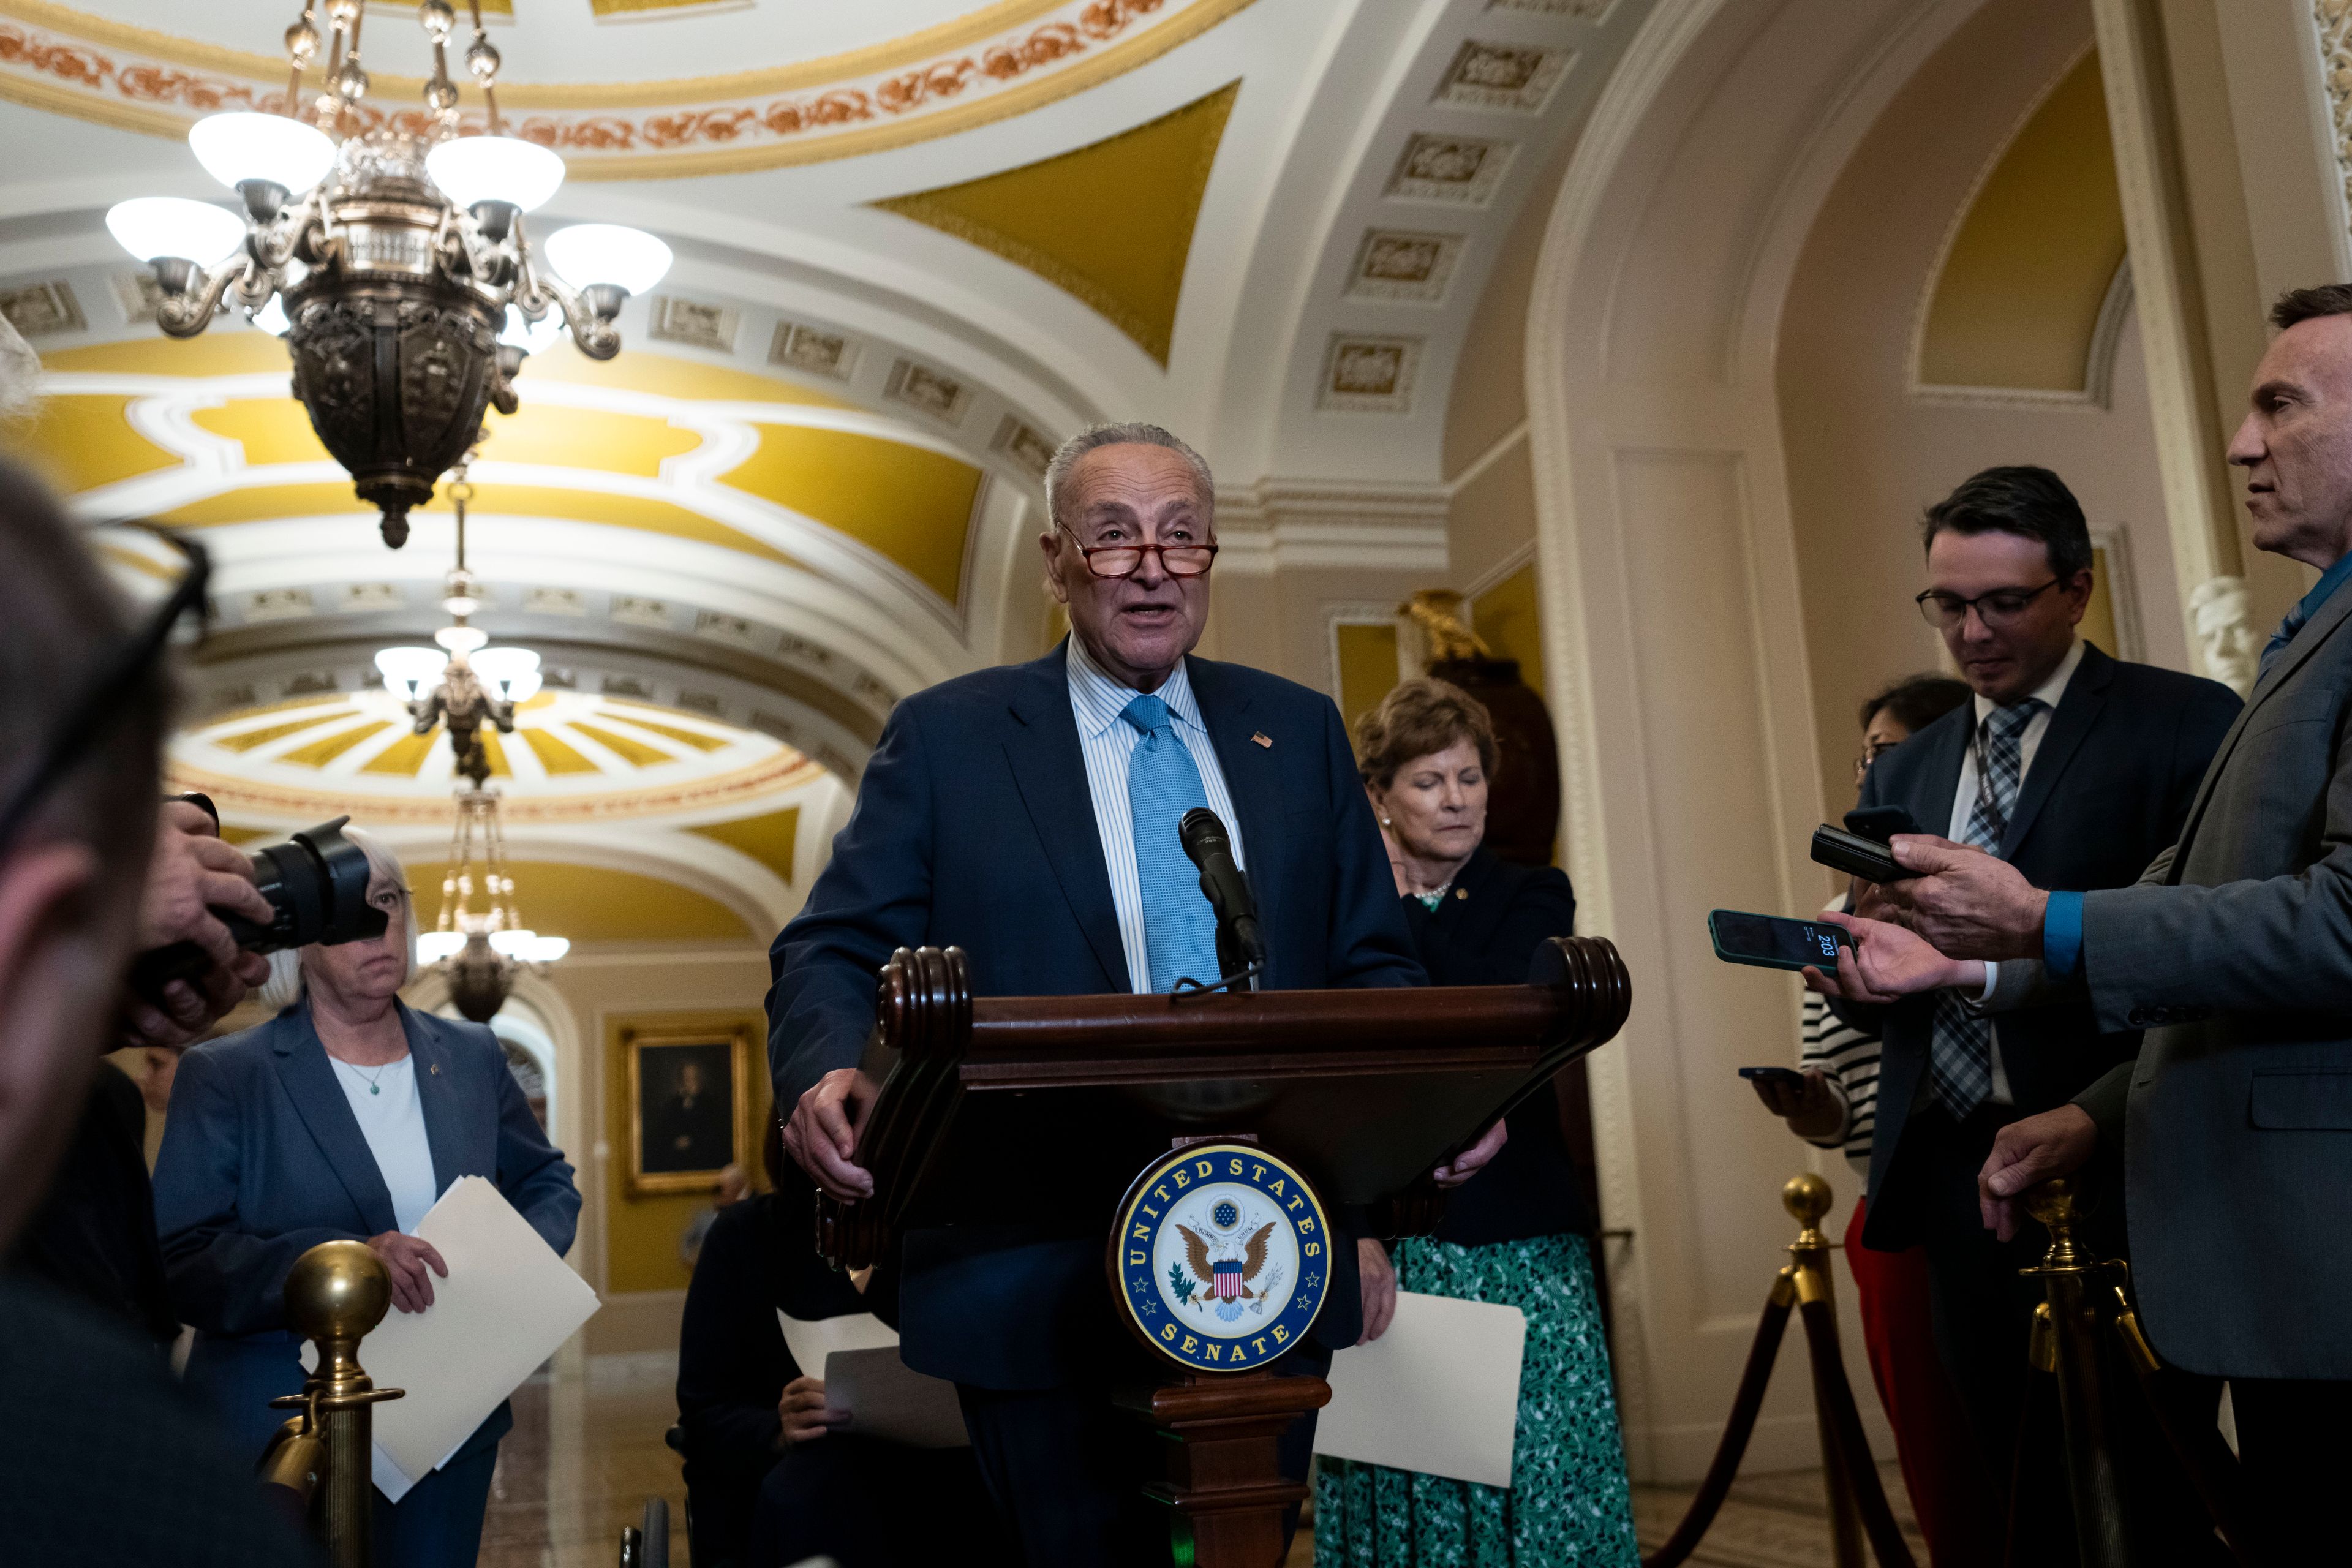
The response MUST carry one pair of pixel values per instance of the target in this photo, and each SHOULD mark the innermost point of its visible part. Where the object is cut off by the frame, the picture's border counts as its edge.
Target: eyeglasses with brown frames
(1126, 560)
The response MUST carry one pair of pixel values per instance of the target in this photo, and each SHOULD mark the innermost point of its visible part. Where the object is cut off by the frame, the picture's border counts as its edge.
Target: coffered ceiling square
(34, 309)
(1366, 374)
(1520, 77)
(1032, 449)
(928, 391)
(812, 349)
(1398, 264)
(1458, 170)
(694, 324)
(1585, 10)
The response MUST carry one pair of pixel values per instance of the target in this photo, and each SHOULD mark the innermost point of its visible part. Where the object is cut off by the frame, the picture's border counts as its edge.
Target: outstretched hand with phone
(1888, 964)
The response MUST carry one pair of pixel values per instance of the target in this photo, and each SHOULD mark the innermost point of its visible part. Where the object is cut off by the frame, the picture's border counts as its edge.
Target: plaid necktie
(1960, 1058)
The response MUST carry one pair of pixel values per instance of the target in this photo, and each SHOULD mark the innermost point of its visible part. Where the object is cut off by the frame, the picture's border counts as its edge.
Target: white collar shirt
(1106, 742)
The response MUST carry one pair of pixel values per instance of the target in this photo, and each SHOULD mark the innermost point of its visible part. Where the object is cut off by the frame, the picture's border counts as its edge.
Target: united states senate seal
(1222, 1257)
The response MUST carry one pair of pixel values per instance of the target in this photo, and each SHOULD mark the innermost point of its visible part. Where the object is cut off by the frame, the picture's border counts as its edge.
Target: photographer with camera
(94, 1235)
(110, 1462)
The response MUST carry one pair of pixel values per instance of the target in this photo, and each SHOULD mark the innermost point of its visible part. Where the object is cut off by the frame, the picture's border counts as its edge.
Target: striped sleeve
(1849, 1057)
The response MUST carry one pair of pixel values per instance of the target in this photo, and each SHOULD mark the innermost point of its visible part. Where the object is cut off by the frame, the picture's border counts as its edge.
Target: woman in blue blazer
(344, 1117)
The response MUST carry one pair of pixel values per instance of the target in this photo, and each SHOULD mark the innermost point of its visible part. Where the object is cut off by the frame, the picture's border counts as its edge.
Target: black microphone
(1205, 838)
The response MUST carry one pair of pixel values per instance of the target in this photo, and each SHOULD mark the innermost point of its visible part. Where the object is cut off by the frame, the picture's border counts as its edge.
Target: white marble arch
(1671, 616)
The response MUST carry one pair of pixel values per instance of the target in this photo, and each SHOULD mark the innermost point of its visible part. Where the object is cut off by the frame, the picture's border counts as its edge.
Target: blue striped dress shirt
(1097, 701)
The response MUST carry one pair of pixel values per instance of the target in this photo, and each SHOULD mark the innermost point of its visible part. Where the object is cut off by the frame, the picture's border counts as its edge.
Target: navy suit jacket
(974, 827)
(262, 1160)
(2108, 790)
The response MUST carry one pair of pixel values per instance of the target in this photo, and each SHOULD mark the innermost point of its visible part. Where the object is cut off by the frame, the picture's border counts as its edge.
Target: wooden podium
(1353, 1097)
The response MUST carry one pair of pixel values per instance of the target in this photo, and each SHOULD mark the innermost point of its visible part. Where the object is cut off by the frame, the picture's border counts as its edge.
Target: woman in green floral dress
(1517, 1233)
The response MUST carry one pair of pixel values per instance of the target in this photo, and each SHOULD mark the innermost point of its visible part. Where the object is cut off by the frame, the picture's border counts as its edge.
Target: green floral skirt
(1568, 1502)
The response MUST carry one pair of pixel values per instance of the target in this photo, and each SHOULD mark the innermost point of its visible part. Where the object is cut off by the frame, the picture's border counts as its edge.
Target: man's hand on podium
(1472, 1159)
(821, 1135)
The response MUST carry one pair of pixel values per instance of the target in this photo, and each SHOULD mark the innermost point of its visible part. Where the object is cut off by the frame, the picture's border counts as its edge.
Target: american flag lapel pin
(1262, 739)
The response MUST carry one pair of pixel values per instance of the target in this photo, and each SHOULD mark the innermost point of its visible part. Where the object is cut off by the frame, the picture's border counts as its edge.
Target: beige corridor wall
(1865, 452)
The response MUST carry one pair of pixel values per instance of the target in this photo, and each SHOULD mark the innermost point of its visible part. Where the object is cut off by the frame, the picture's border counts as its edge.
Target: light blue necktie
(1180, 930)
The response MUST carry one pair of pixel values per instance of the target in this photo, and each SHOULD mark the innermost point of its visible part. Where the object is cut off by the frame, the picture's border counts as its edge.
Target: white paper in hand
(885, 1399)
(813, 1339)
(1439, 1393)
(508, 1304)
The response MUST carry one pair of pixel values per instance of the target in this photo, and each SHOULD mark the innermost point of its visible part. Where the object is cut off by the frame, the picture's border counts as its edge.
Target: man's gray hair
(1129, 433)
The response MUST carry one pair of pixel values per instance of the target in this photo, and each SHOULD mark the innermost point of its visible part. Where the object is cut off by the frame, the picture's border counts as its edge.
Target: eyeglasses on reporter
(1999, 608)
(1126, 560)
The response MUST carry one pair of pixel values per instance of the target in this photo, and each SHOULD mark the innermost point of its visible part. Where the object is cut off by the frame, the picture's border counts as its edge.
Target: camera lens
(317, 883)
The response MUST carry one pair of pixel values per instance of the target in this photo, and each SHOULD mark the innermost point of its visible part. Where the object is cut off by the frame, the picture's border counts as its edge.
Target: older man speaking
(1028, 814)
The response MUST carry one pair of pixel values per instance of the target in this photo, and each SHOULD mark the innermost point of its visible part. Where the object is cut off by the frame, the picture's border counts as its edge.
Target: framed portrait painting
(690, 1106)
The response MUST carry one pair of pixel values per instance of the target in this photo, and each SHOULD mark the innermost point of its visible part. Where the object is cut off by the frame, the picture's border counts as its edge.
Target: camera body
(317, 884)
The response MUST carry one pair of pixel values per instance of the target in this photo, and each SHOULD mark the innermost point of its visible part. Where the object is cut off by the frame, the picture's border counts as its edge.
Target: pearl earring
(1386, 823)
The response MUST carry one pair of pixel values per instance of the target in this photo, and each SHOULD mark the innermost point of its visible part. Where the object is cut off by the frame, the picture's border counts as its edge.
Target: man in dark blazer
(1027, 814)
(2076, 768)
(2235, 953)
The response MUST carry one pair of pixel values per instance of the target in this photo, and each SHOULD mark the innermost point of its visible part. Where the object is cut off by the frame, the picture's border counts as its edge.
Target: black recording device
(1789, 1076)
(1772, 941)
(317, 885)
(1881, 822)
(1856, 856)
(1240, 942)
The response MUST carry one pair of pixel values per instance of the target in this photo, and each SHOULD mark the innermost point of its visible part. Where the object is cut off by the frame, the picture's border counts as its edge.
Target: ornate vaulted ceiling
(917, 242)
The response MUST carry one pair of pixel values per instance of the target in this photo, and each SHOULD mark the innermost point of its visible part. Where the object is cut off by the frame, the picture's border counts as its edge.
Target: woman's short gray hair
(1132, 432)
(286, 985)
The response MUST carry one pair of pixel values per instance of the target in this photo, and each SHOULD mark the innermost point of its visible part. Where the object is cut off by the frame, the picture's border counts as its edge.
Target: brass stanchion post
(2067, 1332)
(1858, 1509)
(1807, 1198)
(336, 1292)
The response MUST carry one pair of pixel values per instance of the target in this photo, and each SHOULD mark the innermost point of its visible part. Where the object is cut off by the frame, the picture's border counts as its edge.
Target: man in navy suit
(2078, 769)
(1027, 814)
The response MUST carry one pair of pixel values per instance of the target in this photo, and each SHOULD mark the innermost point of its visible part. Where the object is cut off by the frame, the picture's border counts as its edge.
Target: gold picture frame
(681, 1135)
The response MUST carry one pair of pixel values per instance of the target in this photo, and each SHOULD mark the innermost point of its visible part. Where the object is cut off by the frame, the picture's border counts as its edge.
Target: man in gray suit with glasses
(2234, 951)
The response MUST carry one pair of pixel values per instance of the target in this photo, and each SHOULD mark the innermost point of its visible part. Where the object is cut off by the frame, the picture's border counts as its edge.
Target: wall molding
(2097, 392)
(1340, 613)
(1279, 524)
(1493, 576)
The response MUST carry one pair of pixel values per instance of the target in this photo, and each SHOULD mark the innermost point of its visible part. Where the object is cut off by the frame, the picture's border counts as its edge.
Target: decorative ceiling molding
(950, 79)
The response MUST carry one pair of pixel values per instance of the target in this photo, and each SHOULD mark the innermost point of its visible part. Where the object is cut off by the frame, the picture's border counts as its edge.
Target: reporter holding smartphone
(2077, 769)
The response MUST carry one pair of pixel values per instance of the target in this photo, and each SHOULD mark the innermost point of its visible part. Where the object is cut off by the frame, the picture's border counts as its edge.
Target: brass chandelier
(390, 252)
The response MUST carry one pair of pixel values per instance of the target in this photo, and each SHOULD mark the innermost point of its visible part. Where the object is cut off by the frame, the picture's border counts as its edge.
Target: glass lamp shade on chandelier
(480, 951)
(390, 252)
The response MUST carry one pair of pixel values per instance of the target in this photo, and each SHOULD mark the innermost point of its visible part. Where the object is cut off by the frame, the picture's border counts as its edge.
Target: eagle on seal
(1196, 1253)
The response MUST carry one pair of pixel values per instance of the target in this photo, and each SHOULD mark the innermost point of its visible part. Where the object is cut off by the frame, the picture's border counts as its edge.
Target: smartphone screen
(1774, 941)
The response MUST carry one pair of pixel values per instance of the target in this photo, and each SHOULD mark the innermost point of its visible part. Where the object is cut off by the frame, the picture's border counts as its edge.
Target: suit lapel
(1939, 780)
(1469, 915)
(309, 1080)
(2322, 627)
(436, 1096)
(1252, 777)
(1042, 745)
(2078, 710)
